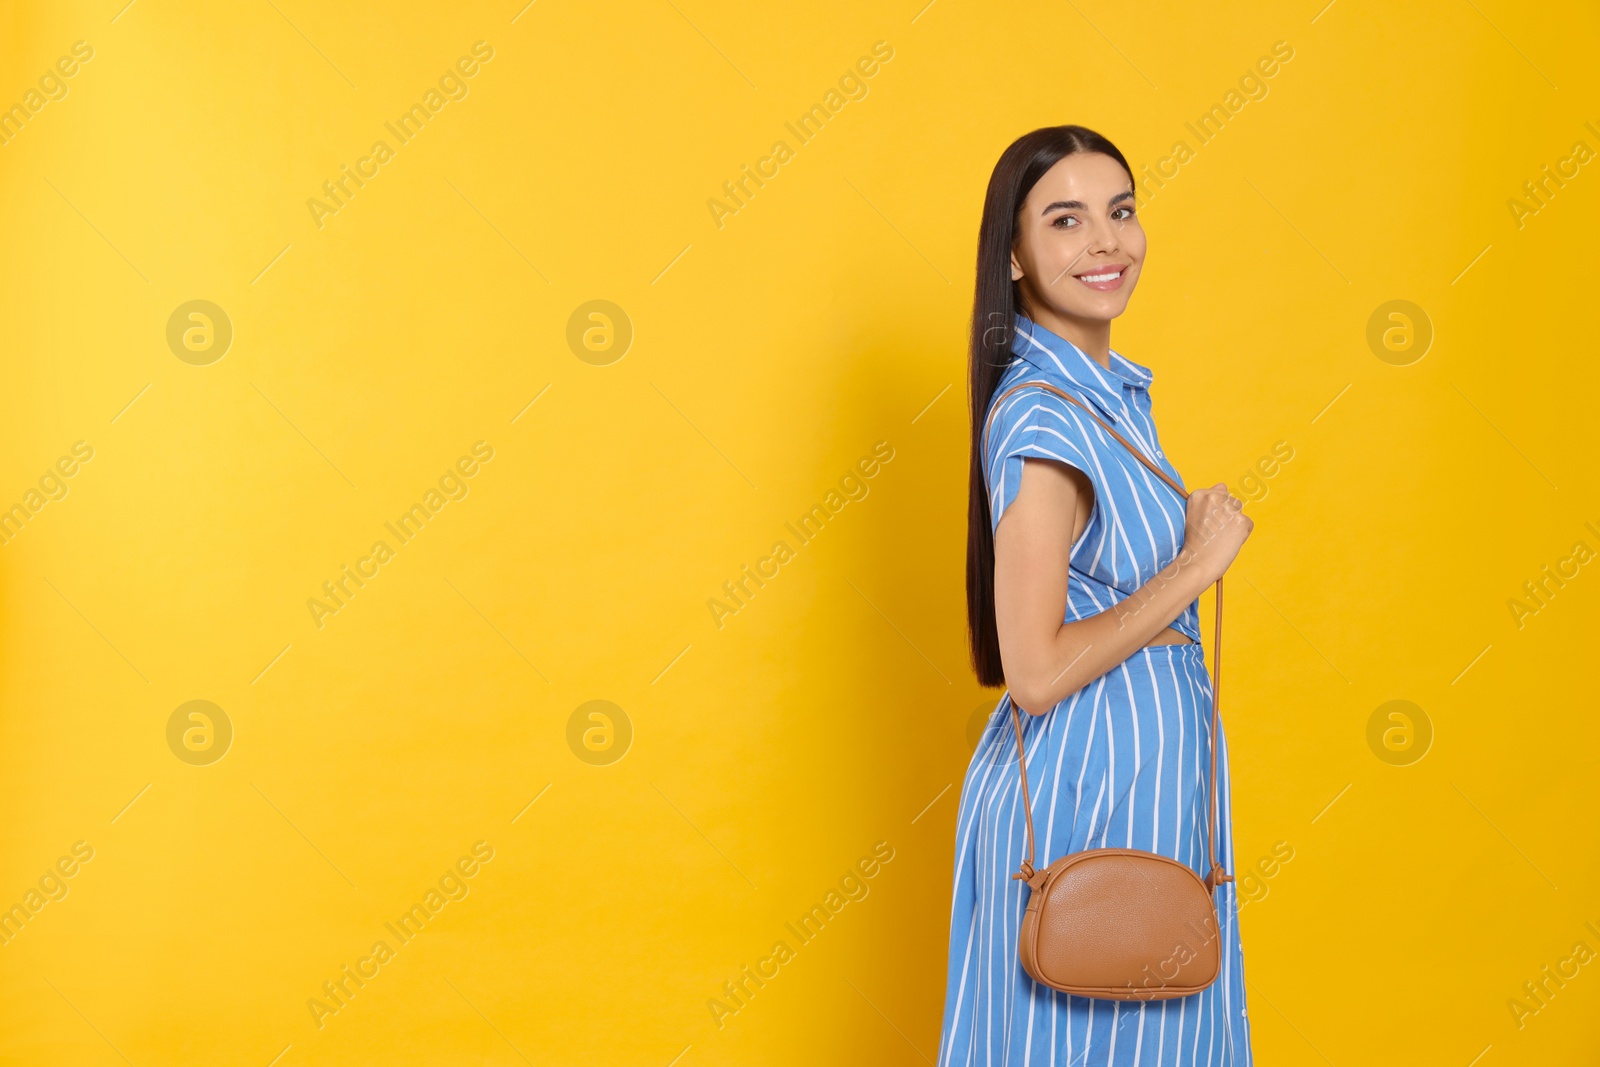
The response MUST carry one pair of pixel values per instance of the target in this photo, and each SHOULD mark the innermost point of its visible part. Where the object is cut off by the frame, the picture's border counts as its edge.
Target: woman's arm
(1047, 660)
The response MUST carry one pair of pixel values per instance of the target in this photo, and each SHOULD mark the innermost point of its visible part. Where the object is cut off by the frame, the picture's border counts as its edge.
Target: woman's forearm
(1084, 649)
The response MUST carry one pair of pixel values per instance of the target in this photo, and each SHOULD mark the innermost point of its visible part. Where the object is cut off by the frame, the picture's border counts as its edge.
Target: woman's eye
(1064, 222)
(1122, 214)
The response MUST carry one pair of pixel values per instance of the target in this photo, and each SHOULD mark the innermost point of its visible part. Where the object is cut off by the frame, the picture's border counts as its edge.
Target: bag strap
(1215, 876)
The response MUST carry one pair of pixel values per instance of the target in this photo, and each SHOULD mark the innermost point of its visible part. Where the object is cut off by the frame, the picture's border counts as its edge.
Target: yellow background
(833, 711)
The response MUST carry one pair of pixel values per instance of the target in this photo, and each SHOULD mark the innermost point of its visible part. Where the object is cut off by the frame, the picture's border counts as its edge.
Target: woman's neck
(1093, 336)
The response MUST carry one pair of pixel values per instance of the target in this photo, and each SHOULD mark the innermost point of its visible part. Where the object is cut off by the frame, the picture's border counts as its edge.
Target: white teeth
(1094, 278)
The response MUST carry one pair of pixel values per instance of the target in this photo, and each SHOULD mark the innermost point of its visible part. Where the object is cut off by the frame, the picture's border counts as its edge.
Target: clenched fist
(1214, 529)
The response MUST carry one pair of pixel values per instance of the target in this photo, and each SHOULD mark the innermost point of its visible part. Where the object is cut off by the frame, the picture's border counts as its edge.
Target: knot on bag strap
(1034, 878)
(1216, 875)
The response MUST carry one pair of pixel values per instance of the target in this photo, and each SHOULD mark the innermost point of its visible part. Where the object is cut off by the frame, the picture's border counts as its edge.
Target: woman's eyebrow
(1079, 205)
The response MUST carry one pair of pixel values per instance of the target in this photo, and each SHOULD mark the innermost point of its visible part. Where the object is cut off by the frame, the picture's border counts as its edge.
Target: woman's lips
(1104, 279)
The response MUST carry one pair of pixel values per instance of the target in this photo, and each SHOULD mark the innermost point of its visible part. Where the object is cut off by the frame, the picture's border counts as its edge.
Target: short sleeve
(1032, 424)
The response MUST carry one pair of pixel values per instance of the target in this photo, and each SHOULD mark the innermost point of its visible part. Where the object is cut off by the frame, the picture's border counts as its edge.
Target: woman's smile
(1105, 279)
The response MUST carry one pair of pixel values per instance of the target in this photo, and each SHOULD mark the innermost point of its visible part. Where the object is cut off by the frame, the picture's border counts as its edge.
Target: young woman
(1066, 532)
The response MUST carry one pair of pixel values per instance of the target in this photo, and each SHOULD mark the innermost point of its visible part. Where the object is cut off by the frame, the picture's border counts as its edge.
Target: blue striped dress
(1123, 762)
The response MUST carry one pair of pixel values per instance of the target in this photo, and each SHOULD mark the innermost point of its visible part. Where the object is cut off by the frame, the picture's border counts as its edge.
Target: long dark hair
(993, 306)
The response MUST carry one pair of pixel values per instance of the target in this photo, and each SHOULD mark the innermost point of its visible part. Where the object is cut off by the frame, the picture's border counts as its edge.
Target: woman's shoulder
(1026, 410)
(1032, 422)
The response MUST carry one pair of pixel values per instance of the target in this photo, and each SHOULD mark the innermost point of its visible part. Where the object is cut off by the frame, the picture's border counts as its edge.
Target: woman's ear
(1016, 268)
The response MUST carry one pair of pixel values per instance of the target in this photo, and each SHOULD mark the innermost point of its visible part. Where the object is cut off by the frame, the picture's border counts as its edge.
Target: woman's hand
(1215, 528)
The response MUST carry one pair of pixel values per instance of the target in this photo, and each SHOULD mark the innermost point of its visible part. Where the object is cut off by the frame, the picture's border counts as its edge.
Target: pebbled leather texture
(1121, 923)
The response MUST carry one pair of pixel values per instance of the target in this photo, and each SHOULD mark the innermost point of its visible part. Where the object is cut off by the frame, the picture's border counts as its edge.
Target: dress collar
(1058, 358)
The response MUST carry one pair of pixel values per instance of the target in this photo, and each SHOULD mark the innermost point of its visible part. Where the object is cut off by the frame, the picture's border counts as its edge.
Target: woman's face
(1078, 245)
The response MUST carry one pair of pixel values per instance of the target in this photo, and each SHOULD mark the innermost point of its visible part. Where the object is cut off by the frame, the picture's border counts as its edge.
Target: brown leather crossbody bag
(1121, 923)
